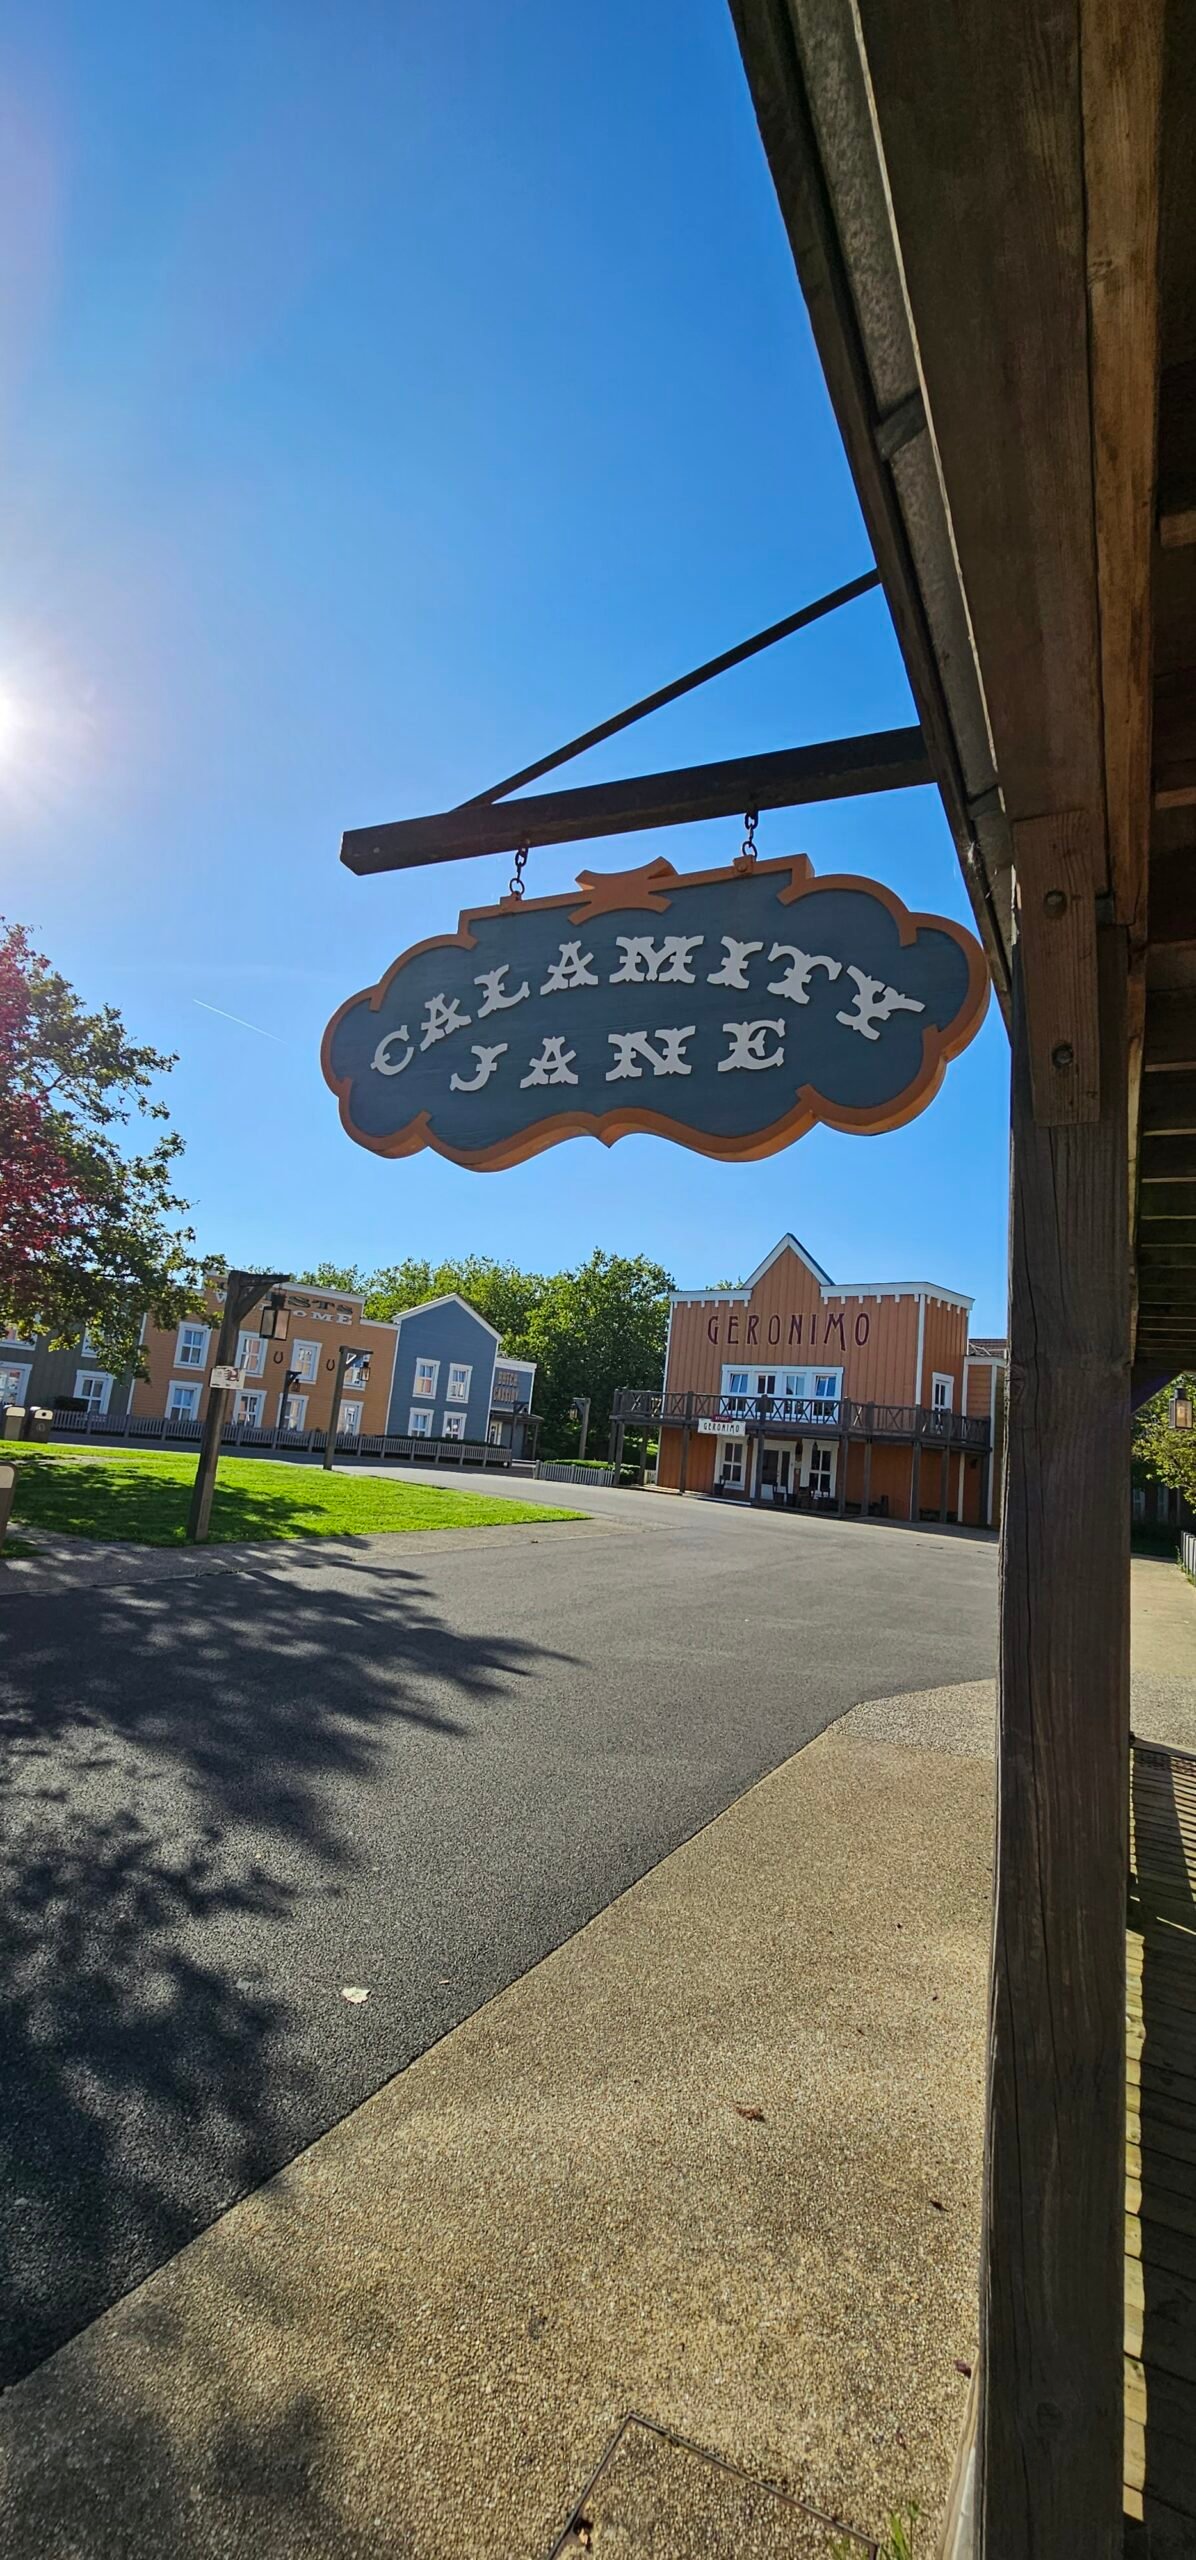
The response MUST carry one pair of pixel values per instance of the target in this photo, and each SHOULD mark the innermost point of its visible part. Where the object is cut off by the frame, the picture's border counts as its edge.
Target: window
(294, 1417)
(941, 1392)
(426, 1375)
(826, 1391)
(305, 1361)
(249, 1404)
(94, 1387)
(183, 1403)
(191, 1349)
(730, 1465)
(459, 1376)
(822, 1473)
(454, 1426)
(494, 1435)
(419, 1423)
(251, 1354)
(13, 1382)
(350, 1417)
(735, 1387)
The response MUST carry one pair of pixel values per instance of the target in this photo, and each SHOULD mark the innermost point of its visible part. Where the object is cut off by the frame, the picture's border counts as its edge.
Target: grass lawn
(144, 1499)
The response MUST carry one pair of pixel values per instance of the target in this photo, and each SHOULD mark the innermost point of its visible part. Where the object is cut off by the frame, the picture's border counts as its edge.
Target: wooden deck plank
(1160, 2192)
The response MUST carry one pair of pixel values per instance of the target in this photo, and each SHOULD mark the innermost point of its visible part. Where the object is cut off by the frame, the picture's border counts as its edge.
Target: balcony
(928, 1425)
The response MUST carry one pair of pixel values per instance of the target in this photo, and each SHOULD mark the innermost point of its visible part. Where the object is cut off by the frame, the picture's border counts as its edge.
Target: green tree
(112, 1246)
(334, 1275)
(502, 1294)
(1169, 1456)
(600, 1327)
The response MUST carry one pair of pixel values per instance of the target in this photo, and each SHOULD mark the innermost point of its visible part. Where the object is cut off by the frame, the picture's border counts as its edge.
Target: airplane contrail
(238, 1017)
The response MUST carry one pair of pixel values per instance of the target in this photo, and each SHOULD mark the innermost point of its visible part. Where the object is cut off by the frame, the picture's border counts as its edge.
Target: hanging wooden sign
(729, 1010)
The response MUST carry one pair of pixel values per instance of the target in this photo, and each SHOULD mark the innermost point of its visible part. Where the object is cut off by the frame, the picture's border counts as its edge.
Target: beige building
(321, 1323)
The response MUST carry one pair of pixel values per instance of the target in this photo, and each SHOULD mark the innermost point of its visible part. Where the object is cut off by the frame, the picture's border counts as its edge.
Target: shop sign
(728, 1010)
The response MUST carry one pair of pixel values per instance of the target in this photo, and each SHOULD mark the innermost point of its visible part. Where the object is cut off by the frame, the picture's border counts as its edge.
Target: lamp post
(359, 1362)
(580, 1409)
(242, 1289)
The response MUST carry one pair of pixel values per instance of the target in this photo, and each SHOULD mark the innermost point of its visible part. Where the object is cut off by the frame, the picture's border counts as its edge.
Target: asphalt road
(412, 1767)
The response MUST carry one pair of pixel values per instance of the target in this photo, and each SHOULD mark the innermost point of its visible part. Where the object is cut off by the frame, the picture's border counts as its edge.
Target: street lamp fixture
(275, 1318)
(1180, 1412)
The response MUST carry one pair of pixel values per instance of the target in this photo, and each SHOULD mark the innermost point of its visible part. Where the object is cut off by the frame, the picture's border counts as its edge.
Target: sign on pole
(729, 1010)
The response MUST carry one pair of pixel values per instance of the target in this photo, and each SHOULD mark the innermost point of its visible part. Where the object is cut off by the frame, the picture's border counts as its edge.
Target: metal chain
(747, 850)
(515, 883)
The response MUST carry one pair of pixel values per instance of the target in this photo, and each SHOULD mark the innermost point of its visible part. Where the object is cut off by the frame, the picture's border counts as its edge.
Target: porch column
(841, 1487)
(944, 1479)
(1052, 2277)
(915, 1480)
(683, 1471)
(864, 1507)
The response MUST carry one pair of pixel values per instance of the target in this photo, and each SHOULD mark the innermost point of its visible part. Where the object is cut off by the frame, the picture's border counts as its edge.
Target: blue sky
(386, 395)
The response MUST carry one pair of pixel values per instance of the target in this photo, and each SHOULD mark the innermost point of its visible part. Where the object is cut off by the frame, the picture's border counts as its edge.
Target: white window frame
(182, 1400)
(351, 1406)
(494, 1435)
(452, 1424)
(459, 1369)
(292, 1412)
(85, 1380)
(255, 1396)
(942, 1403)
(729, 1462)
(419, 1423)
(304, 1357)
(428, 1370)
(18, 1372)
(251, 1354)
(827, 1453)
(181, 1358)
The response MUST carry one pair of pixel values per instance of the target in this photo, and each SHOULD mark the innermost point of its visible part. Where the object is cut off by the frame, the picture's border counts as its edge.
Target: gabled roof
(451, 1298)
(789, 1244)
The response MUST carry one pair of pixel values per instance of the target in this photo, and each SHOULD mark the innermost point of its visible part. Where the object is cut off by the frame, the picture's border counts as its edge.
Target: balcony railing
(847, 1414)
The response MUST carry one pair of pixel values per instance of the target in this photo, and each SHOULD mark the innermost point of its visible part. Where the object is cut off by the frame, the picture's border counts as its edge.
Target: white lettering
(553, 1066)
(571, 970)
(874, 1002)
(441, 1019)
(732, 972)
(747, 1046)
(796, 982)
(494, 1000)
(643, 962)
(487, 1062)
(630, 1045)
(388, 1066)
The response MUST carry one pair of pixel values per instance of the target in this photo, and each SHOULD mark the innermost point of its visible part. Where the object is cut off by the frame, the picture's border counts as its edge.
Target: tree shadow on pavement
(187, 1770)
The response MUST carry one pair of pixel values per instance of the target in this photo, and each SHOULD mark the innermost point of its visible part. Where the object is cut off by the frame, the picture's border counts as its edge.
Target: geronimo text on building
(791, 1389)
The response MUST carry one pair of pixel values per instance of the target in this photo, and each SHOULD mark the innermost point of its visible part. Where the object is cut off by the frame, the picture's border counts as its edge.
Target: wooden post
(1052, 2285)
(915, 1480)
(683, 1470)
(842, 1484)
(865, 1505)
(944, 1479)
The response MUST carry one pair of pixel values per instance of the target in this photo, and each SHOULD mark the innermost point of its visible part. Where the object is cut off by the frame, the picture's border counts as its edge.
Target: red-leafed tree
(89, 1233)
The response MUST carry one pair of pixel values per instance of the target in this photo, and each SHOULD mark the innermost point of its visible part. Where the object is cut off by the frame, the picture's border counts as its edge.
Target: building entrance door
(775, 1465)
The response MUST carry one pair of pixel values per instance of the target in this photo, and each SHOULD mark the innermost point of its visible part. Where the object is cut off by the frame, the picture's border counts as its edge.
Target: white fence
(186, 1431)
(1187, 1551)
(567, 1471)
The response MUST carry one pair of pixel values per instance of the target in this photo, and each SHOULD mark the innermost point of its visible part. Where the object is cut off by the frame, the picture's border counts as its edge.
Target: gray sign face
(729, 1010)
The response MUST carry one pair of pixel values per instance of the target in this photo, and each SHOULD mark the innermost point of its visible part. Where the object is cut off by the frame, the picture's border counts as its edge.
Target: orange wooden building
(793, 1390)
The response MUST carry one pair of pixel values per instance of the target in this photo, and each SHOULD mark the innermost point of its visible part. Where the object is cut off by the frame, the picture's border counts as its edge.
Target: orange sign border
(651, 888)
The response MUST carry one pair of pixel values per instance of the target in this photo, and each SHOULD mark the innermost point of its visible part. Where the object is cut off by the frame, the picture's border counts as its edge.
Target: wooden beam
(1052, 2277)
(772, 62)
(1121, 62)
(1162, 1203)
(838, 769)
(979, 117)
(1175, 738)
(1056, 861)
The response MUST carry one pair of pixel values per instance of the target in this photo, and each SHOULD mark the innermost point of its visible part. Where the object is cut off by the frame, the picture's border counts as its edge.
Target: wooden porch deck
(1160, 2230)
